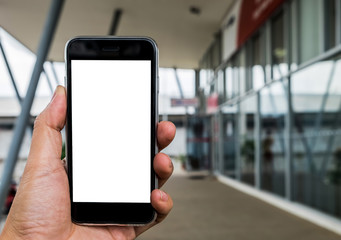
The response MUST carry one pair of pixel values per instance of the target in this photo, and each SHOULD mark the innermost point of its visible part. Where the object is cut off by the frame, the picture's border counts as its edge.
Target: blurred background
(253, 86)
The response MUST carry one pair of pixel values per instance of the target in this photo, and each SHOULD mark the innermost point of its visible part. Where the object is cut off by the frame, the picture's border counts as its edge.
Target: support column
(258, 144)
(197, 88)
(22, 120)
(288, 153)
(238, 145)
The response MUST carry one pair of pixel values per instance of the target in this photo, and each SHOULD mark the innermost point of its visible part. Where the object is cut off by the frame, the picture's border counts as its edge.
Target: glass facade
(277, 125)
(316, 137)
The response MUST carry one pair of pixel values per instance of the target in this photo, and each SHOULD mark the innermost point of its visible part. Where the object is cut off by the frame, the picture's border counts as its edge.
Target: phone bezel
(112, 48)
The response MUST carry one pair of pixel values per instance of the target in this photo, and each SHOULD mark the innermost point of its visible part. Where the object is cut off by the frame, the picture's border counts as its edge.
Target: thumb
(46, 143)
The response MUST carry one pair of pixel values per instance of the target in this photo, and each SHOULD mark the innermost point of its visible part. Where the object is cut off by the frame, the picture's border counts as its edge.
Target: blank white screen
(111, 116)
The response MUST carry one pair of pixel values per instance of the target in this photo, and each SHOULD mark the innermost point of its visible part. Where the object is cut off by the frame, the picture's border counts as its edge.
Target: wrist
(8, 233)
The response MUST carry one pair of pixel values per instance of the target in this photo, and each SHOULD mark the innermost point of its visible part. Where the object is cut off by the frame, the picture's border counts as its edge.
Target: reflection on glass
(310, 29)
(330, 23)
(317, 136)
(170, 89)
(236, 78)
(240, 82)
(198, 143)
(279, 52)
(229, 137)
(229, 81)
(203, 78)
(247, 139)
(258, 71)
(220, 86)
(273, 109)
(215, 49)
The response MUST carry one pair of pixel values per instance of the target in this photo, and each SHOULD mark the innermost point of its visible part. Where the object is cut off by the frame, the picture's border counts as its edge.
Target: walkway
(207, 209)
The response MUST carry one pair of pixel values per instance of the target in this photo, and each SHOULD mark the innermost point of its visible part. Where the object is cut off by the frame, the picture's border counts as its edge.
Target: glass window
(278, 50)
(229, 81)
(330, 23)
(310, 28)
(247, 139)
(240, 82)
(198, 143)
(248, 85)
(210, 67)
(215, 141)
(229, 139)
(317, 136)
(216, 51)
(212, 98)
(293, 30)
(206, 73)
(273, 108)
(238, 74)
(170, 89)
(258, 71)
(203, 78)
(221, 86)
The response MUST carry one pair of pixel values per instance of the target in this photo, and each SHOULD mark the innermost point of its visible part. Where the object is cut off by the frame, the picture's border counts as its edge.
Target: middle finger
(163, 167)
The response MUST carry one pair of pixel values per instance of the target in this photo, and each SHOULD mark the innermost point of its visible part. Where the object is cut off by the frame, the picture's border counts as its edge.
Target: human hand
(41, 208)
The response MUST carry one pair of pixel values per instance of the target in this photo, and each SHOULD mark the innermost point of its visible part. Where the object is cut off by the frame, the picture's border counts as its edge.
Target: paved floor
(206, 209)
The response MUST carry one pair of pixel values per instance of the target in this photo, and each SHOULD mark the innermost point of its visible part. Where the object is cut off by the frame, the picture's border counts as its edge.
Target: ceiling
(182, 37)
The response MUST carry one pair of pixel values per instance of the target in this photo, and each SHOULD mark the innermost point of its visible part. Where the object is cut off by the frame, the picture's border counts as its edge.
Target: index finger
(165, 134)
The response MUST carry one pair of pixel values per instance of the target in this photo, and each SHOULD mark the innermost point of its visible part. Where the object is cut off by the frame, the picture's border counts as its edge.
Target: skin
(41, 208)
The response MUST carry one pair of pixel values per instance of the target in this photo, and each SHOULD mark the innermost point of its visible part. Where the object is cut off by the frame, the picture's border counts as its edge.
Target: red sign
(253, 13)
(212, 103)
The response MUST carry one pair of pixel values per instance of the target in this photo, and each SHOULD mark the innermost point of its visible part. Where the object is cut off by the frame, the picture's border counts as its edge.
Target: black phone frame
(112, 48)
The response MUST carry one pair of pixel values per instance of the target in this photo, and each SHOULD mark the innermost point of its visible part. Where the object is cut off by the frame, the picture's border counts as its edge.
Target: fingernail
(55, 93)
(163, 196)
(171, 164)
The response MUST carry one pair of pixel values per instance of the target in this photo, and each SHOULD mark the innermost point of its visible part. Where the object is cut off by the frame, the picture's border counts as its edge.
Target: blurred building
(271, 83)
(263, 104)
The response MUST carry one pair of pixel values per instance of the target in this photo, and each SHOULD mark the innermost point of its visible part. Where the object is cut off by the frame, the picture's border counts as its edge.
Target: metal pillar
(338, 20)
(197, 88)
(21, 122)
(10, 74)
(238, 145)
(115, 21)
(221, 143)
(288, 153)
(258, 144)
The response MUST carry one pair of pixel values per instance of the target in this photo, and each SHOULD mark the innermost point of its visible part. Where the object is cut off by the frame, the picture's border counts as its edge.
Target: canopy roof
(182, 36)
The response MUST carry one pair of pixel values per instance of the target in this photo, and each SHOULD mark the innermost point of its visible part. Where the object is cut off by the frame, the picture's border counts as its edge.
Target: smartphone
(112, 115)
